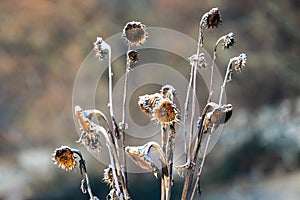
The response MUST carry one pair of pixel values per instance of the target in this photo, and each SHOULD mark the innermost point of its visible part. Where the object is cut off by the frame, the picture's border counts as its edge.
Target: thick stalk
(164, 168)
(170, 152)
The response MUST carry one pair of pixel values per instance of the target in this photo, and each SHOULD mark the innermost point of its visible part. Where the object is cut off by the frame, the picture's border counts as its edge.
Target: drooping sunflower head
(228, 41)
(64, 157)
(240, 62)
(212, 18)
(142, 158)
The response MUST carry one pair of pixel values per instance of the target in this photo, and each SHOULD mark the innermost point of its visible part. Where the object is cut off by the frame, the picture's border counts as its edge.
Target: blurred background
(43, 43)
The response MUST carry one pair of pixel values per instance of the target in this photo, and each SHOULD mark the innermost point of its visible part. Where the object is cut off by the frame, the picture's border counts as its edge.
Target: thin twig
(225, 79)
(210, 92)
(186, 103)
(83, 172)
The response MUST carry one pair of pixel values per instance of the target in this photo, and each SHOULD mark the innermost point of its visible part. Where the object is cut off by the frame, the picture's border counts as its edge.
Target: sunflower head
(165, 112)
(64, 157)
(132, 56)
(135, 33)
(217, 115)
(212, 18)
(228, 41)
(240, 62)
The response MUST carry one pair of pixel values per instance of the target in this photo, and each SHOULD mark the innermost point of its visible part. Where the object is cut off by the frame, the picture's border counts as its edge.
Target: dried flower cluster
(161, 108)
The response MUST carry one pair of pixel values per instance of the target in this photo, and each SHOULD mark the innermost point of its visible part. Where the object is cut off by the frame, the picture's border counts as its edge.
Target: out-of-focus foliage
(42, 44)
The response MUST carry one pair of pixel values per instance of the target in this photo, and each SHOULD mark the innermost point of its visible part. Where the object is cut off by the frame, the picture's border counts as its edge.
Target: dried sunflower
(135, 33)
(64, 157)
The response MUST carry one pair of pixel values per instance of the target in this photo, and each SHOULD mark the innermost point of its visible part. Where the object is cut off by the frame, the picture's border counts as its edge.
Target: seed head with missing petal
(228, 40)
(135, 33)
(240, 62)
(64, 157)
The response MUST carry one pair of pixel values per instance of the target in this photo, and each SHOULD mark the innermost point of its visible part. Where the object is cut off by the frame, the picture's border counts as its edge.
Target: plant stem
(228, 70)
(170, 152)
(83, 172)
(113, 158)
(186, 111)
(210, 93)
(195, 63)
(191, 165)
(110, 101)
(88, 186)
(201, 166)
(123, 125)
(164, 168)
